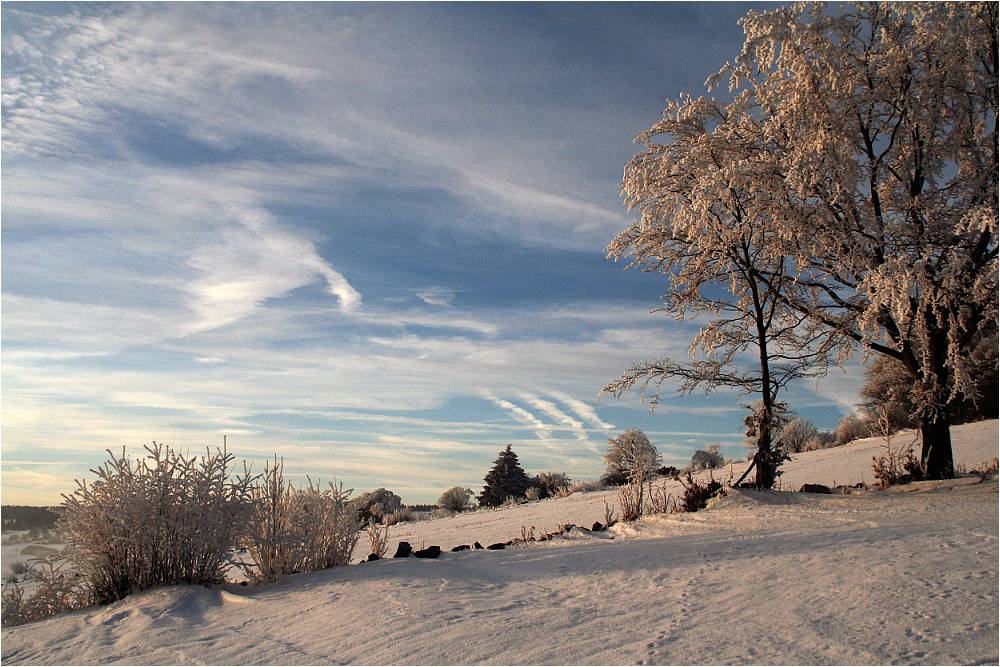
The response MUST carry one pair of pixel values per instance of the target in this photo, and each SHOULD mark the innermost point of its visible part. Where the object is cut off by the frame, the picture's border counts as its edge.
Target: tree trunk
(766, 473)
(935, 454)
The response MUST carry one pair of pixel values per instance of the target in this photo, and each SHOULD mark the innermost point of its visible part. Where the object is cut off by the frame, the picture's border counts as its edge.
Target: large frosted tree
(879, 138)
(704, 224)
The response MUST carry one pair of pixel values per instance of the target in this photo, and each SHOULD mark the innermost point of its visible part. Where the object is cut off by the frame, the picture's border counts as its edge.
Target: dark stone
(243, 583)
(568, 527)
(461, 547)
(815, 488)
(403, 550)
(477, 545)
(372, 557)
(860, 485)
(598, 526)
(497, 546)
(432, 551)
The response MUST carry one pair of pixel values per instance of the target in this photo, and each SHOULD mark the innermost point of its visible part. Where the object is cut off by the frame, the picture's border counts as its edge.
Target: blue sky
(368, 237)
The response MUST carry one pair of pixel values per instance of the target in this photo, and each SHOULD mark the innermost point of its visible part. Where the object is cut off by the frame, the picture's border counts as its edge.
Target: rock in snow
(430, 552)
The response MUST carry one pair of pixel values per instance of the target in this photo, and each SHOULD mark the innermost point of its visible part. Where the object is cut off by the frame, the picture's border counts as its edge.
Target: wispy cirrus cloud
(583, 410)
(542, 431)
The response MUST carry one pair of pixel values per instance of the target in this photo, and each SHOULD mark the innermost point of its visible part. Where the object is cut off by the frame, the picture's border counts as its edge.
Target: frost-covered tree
(551, 483)
(377, 505)
(630, 454)
(890, 385)
(707, 459)
(456, 499)
(878, 138)
(506, 479)
(796, 435)
(704, 223)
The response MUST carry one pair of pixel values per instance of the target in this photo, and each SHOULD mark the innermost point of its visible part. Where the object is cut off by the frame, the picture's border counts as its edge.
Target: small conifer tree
(506, 479)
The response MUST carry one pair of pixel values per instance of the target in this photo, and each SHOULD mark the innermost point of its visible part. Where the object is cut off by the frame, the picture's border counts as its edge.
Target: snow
(903, 576)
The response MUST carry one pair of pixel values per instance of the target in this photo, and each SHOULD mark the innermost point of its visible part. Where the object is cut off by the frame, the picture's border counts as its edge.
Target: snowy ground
(904, 576)
(975, 444)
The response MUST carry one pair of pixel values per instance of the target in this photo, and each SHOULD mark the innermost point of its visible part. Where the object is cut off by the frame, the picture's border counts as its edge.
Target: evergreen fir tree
(506, 479)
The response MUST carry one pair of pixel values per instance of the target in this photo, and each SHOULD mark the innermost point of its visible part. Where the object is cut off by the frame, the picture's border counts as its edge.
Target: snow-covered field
(904, 576)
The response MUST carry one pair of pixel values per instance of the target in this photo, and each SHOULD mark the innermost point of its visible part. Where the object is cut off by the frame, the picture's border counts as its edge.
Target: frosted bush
(534, 493)
(852, 427)
(583, 486)
(630, 498)
(378, 538)
(456, 499)
(377, 504)
(298, 530)
(398, 516)
(163, 519)
(707, 459)
(552, 484)
(53, 590)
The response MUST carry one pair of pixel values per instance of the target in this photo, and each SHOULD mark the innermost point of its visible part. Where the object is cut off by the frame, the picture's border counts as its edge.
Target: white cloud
(251, 261)
(436, 296)
(555, 413)
(584, 411)
(542, 431)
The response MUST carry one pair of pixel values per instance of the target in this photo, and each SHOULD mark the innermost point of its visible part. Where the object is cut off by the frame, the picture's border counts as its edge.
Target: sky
(366, 237)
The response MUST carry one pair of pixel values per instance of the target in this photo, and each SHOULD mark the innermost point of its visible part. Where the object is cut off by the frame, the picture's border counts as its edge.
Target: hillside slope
(904, 576)
(974, 444)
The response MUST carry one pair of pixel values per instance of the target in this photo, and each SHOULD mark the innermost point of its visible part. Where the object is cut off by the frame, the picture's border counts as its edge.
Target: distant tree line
(27, 517)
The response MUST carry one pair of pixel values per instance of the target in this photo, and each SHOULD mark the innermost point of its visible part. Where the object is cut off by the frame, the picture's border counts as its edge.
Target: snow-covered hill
(904, 576)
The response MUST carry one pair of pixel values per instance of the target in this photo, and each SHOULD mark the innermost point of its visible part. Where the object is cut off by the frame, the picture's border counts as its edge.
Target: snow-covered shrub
(820, 440)
(987, 469)
(298, 530)
(613, 478)
(707, 459)
(442, 513)
(377, 505)
(52, 591)
(696, 494)
(378, 538)
(399, 516)
(159, 520)
(631, 496)
(852, 427)
(456, 499)
(796, 434)
(628, 454)
(533, 494)
(660, 500)
(584, 486)
(896, 466)
(551, 484)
